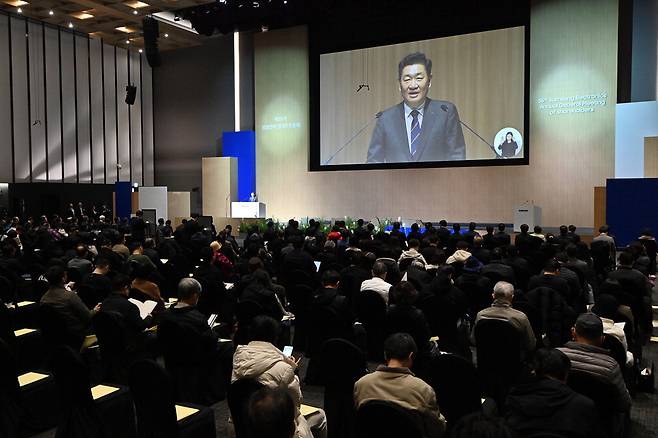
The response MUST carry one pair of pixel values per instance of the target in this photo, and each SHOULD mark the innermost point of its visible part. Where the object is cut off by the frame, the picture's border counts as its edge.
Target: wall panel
(6, 165)
(109, 80)
(123, 118)
(136, 122)
(22, 124)
(69, 118)
(37, 102)
(97, 110)
(147, 123)
(53, 105)
(82, 112)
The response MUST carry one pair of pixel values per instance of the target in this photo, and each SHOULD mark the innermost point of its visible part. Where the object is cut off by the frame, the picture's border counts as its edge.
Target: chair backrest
(111, 333)
(71, 377)
(616, 348)
(342, 363)
(600, 391)
(8, 376)
(457, 386)
(238, 402)
(6, 329)
(153, 395)
(247, 310)
(10, 411)
(54, 328)
(370, 306)
(382, 419)
(7, 290)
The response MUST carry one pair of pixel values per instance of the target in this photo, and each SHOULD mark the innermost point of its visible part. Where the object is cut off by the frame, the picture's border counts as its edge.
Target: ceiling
(108, 15)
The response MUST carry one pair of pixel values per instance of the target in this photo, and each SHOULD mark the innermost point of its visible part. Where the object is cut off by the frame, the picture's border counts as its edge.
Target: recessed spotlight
(127, 41)
(264, 28)
(70, 25)
(135, 12)
(19, 10)
(51, 12)
(166, 35)
(140, 50)
(285, 2)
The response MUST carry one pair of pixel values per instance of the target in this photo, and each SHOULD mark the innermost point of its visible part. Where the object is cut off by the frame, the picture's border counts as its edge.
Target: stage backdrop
(573, 71)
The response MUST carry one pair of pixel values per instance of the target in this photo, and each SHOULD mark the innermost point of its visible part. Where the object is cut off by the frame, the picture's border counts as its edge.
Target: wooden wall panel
(651, 157)
(599, 208)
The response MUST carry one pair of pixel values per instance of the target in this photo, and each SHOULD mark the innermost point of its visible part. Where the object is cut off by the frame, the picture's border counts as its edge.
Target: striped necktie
(415, 132)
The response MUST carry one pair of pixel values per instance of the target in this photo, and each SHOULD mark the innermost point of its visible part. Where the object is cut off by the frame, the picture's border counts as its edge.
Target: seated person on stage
(394, 382)
(271, 414)
(587, 356)
(546, 404)
(503, 295)
(262, 361)
(378, 281)
(66, 303)
(117, 302)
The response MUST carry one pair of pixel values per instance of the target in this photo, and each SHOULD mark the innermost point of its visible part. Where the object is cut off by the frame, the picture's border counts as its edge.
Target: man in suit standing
(419, 128)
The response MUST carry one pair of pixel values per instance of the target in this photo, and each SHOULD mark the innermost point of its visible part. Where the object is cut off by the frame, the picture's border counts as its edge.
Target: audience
(378, 281)
(396, 383)
(271, 414)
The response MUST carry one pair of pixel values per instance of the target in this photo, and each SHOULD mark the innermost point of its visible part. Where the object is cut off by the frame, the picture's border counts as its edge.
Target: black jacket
(547, 405)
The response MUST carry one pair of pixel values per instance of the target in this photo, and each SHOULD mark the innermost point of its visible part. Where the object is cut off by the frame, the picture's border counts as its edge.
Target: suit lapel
(429, 121)
(402, 140)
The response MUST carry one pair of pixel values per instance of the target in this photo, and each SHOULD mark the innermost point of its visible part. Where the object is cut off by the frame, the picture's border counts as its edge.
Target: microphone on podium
(352, 138)
(445, 109)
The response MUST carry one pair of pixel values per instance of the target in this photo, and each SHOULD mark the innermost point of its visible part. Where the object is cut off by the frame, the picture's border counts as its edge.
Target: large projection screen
(477, 81)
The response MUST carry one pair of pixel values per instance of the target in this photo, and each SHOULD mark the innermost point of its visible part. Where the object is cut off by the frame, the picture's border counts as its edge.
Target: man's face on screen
(414, 84)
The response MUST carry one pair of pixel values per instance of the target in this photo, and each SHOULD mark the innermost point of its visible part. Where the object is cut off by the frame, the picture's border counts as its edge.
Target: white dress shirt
(408, 118)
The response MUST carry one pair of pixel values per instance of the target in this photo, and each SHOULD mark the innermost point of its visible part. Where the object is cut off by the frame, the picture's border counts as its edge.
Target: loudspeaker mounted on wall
(151, 30)
(131, 93)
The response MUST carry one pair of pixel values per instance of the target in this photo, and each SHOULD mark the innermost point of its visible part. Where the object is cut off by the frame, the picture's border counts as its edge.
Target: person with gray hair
(501, 308)
(378, 281)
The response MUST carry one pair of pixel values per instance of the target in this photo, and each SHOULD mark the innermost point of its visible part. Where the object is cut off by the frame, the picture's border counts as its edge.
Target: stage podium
(526, 214)
(241, 210)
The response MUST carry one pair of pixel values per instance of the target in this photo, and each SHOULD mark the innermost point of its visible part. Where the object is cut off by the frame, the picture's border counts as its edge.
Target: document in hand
(145, 308)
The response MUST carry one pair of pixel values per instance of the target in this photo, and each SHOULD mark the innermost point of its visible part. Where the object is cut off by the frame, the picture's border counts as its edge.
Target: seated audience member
(142, 283)
(67, 304)
(81, 262)
(271, 414)
(461, 253)
(538, 233)
(220, 260)
(150, 252)
(479, 252)
(117, 302)
(297, 259)
(471, 233)
(378, 281)
(262, 361)
(261, 290)
(587, 356)
(488, 241)
(137, 255)
(546, 404)
(394, 382)
(480, 425)
(412, 253)
(607, 308)
(501, 238)
(119, 246)
(503, 295)
(523, 241)
(96, 286)
(328, 297)
(550, 277)
(405, 317)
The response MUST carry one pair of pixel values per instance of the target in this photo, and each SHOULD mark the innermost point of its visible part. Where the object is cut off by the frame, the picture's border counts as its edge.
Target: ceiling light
(135, 12)
(19, 10)
(70, 25)
(83, 15)
(16, 3)
(127, 41)
(125, 29)
(140, 50)
(166, 35)
(136, 4)
(51, 12)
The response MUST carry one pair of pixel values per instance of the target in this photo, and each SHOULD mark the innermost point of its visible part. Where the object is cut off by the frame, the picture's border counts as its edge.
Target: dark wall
(193, 104)
(27, 199)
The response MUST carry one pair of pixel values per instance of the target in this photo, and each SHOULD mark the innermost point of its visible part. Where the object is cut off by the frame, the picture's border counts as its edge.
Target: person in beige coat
(262, 361)
(394, 382)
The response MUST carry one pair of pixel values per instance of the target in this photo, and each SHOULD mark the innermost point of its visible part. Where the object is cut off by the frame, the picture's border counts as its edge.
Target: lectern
(527, 214)
(240, 210)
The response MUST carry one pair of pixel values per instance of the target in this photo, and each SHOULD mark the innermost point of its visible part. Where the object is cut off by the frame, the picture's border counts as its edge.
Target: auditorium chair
(54, 330)
(341, 364)
(371, 312)
(603, 394)
(111, 333)
(383, 419)
(457, 386)
(101, 411)
(191, 363)
(238, 401)
(299, 296)
(157, 414)
(499, 361)
(245, 312)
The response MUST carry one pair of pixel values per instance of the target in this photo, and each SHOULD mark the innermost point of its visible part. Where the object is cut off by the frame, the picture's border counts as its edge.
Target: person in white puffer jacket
(262, 361)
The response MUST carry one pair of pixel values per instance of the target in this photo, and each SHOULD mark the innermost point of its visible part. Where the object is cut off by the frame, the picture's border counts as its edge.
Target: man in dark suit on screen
(419, 128)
